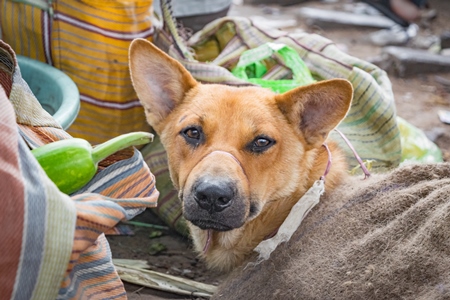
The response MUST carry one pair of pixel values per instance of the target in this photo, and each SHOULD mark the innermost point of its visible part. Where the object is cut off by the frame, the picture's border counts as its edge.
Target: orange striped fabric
(54, 244)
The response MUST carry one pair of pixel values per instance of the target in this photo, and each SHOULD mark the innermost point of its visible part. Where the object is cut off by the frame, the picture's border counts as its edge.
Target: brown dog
(240, 157)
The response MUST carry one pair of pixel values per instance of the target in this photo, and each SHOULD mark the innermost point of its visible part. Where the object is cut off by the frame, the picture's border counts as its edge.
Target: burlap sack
(384, 238)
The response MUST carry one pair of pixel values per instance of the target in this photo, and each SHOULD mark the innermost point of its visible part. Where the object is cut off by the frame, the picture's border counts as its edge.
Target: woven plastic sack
(416, 147)
(87, 40)
(211, 53)
(370, 124)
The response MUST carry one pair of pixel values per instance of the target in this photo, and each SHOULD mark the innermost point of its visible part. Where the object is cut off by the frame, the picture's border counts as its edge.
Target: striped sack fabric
(211, 53)
(87, 40)
(53, 245)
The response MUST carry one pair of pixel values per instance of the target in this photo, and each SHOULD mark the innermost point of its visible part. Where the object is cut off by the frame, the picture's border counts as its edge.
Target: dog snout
(214, 195)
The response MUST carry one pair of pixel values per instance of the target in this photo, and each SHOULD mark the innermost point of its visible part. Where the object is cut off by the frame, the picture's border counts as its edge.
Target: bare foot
(406, 10)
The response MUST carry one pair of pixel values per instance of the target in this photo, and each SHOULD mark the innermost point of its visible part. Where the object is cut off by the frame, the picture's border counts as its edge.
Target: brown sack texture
(387, 237)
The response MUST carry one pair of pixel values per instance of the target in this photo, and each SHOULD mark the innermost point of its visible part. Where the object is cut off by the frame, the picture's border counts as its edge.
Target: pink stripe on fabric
(12, 198)
(46, 35)
(110, 104)
(127, 36)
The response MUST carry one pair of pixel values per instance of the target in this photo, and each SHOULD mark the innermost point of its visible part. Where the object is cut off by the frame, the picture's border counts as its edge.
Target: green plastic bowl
(55, 91)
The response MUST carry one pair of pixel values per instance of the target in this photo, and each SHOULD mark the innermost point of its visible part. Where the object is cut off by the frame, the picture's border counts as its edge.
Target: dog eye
(260, 144)
(192, 135)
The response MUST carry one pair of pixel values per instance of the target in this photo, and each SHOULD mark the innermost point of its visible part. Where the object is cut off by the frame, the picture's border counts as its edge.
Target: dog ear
(317, 109)
(159, 80)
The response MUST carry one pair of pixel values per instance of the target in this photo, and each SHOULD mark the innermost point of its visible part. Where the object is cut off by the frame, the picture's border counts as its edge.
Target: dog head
(233, 150)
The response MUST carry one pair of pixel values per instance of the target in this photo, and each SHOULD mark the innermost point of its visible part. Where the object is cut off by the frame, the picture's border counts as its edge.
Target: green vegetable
(72, 163)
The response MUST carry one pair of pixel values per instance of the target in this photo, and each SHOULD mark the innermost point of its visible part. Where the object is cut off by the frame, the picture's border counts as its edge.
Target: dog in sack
(242, 157)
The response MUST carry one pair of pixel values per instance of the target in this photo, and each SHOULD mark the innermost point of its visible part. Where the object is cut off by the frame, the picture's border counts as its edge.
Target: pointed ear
(160, 81)
(317, 109)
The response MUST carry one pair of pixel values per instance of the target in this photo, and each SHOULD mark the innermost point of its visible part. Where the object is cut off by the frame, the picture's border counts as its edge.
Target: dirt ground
(418, 100)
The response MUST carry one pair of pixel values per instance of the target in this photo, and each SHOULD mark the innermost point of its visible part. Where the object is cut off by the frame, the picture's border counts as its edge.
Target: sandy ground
(418, 100)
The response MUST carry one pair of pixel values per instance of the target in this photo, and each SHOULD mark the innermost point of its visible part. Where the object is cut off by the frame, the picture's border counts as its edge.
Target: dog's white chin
(203, 239)
(230, 238)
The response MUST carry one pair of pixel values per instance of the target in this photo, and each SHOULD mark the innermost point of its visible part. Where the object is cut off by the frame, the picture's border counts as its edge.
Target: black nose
(213, 196)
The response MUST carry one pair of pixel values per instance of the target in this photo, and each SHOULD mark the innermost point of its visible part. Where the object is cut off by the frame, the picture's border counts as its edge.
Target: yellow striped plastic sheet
(88, 40)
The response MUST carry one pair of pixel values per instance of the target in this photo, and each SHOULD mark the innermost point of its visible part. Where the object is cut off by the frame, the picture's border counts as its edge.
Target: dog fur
(240, 157)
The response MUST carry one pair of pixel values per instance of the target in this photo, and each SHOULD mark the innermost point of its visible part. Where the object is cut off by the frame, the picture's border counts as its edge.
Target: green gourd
(72, 163)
